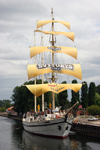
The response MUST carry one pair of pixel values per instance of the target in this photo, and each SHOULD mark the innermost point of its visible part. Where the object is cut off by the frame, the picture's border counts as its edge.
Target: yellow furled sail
(70, 35)
(71, 51)
(70, 69)
(44, 22)
(40, 89)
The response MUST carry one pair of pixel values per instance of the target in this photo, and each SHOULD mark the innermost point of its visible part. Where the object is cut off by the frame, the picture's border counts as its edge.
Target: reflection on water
(13, 137)
(41, 143)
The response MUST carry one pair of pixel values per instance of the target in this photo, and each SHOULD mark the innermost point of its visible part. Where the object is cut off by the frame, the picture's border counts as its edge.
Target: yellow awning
(66, 50)
(44, 22)
(70, 35)
(33, 71)
(40, 89)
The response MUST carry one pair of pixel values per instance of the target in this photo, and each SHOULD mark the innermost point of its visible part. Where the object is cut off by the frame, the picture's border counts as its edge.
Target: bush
(94, 110)
(2, 109)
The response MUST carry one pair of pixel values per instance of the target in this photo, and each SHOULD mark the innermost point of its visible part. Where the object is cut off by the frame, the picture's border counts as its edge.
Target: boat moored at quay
(55, 124)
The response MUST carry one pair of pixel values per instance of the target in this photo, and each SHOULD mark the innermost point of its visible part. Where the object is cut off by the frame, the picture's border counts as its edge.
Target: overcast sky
(17, 22)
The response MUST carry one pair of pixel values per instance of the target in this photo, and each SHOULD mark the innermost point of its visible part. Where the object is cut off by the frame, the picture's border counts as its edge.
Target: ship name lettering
(56, 66)
(57, 89)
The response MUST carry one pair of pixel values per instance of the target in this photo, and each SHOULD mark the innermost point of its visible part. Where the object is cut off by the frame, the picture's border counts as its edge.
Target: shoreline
(3, 114)
(15, 117)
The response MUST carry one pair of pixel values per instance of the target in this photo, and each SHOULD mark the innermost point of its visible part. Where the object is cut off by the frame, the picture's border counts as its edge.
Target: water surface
(13, 137)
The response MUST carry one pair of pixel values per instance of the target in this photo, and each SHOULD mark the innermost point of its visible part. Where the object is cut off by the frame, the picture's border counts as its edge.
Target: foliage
(97, 99)
(84, 94)
(91, 94)
(62, 98)
(75, 96)
(1, 103)
(20, 98)
(56, 100)
(48, 98)
(4, 104)
(67, 105)
(94, 109)
(2, 109)
(98, 89)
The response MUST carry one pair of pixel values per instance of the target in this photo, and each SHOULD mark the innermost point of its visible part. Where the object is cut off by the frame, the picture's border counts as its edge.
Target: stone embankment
(4, 114)
(85, 127)
(15, 117)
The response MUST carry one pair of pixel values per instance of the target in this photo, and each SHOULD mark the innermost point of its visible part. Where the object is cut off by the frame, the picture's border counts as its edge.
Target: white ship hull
(58, 128)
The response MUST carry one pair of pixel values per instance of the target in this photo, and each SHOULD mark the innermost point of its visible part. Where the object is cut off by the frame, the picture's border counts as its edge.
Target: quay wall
(86, 129)
(4, 114)
(18, 117)
(15, 117)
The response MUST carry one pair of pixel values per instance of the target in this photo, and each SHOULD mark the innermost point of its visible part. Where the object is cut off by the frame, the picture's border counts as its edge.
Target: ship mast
(53, 79)
(42, 74)
(35, 79)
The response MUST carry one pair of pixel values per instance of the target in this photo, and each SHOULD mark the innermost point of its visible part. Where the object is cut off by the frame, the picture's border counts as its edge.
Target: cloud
(17, 23)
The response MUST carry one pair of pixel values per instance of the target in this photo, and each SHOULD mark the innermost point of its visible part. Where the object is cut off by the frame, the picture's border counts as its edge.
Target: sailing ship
(55, 124)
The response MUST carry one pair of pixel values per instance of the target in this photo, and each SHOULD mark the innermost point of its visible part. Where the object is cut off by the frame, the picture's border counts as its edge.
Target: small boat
(55, 124)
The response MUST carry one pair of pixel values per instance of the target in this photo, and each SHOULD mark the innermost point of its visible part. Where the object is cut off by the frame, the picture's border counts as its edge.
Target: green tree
(62, 98)
(97, 99)
(84, 94)
(5, 103)
(48, 98)
(2, 109)
(1, 103)
(94, 110)
(91, 94)
(56, 100)
(98, 89)
(20, 98)
(75, 96)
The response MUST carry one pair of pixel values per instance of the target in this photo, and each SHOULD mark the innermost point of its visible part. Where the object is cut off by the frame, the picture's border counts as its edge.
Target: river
(13, 137)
